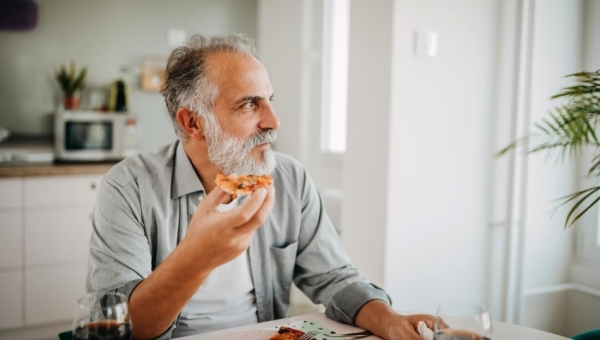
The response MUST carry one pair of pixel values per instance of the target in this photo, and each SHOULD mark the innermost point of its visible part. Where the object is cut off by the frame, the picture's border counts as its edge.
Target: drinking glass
(461, 320)
(102, 317)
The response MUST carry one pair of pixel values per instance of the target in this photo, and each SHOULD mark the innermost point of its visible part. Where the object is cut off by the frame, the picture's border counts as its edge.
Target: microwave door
(92, 136)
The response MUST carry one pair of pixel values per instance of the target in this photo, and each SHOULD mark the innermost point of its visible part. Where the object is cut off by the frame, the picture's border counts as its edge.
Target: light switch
(176, 37)
(426, 44)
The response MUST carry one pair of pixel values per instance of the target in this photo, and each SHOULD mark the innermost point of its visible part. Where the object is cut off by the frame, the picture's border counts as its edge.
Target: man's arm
(212, 238)
(326, 274)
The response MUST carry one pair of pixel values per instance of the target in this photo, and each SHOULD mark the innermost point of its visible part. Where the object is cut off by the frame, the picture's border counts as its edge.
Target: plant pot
(71, 102)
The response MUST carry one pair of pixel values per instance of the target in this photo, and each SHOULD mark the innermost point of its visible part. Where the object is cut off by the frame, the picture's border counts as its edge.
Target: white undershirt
(225, 299)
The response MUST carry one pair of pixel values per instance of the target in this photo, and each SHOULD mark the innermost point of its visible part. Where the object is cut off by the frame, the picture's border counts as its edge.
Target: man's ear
(190, 123)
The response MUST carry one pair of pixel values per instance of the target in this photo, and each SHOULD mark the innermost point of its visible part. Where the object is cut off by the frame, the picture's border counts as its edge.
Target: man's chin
(262, 163)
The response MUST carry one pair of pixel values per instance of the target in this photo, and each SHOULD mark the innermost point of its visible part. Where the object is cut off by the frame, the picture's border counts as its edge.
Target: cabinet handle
(93, 186)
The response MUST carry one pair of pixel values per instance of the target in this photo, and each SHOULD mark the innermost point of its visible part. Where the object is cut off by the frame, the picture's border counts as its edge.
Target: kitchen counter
(51, 169)
(34, 156)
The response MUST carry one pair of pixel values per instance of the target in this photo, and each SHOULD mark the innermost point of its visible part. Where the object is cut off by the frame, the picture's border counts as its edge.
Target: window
(335, 76)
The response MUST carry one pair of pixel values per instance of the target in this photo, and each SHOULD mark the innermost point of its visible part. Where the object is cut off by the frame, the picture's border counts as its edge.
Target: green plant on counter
(70, 79)
(571, 127)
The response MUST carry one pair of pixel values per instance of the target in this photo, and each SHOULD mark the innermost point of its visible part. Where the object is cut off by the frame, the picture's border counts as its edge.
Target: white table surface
(501, 330)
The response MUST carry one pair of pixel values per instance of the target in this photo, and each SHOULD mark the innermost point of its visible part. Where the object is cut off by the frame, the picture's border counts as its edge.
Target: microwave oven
(94, 136)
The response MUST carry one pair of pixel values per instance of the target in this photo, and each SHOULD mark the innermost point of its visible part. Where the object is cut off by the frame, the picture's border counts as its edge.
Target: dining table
(307, 322)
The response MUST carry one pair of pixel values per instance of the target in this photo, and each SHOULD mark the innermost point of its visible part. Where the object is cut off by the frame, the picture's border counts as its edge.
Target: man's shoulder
(287, 163)
(289, 173)
(143, 165)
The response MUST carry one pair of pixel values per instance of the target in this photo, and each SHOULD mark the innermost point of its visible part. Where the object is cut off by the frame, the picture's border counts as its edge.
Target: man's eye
(249, 105)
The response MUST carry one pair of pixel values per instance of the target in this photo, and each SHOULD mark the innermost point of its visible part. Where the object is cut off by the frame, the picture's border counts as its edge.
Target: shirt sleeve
(323, 269)
(120, 255)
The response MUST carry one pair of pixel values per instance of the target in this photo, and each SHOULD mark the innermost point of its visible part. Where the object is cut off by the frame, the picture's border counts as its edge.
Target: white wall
(587, 230)
(418, 140)
(107, 36)
(556, 53)
(364, 210)
(440, 153)
(548, 248)
(281, 37)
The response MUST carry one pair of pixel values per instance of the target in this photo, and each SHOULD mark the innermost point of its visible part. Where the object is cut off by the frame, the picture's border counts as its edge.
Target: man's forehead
(228, 67)
(238, 77)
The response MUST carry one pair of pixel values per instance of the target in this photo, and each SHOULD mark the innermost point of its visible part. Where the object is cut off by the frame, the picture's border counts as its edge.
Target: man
(190, 267)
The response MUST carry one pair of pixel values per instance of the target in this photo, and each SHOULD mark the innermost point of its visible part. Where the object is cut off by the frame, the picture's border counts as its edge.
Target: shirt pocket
(283, 261)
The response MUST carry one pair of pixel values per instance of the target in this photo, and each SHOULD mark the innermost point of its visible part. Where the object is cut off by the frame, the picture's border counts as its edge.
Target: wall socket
(426, 44)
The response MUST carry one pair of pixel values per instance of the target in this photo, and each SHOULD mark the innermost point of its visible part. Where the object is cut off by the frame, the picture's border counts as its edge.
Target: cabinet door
(11, 296)
(51, 293)
(57, 236)
(11, 192)
(61, 191)
(10, 239)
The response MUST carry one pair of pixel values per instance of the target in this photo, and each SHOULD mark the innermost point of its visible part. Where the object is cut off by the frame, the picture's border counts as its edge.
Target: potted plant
(571, 127)
(71, 82)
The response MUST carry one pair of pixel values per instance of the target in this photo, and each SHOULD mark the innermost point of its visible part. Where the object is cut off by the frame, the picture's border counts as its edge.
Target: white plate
(264, 334)
(247, 335)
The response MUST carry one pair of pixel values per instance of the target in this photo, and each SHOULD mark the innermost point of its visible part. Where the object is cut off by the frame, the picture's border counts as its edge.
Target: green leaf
(70, 79)
(568, 224)
(574, 208)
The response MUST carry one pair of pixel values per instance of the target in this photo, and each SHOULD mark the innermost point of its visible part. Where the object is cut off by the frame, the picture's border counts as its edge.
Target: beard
(232, 155)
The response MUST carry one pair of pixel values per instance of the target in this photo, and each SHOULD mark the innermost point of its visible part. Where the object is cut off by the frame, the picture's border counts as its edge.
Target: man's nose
(269, 120)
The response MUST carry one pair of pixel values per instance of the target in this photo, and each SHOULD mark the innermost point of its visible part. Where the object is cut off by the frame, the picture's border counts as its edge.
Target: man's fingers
(245, 211)
(261, 215)
(226, 199)
(212, 200)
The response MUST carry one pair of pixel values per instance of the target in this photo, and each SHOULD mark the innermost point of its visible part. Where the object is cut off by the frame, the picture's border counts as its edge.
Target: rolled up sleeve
(120, 256)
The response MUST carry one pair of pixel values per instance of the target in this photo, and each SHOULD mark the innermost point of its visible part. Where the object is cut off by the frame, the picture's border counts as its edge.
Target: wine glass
(461, 320)
(102, 317)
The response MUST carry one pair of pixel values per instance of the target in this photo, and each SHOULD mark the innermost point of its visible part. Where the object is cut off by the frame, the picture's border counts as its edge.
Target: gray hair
(186, 84)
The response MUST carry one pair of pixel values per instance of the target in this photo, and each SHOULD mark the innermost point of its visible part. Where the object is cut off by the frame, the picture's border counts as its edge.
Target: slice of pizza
(287, 333)
(241, 185)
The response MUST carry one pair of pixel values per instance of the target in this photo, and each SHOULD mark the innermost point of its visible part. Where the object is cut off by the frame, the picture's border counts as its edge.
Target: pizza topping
(287, 333)
(240, 185)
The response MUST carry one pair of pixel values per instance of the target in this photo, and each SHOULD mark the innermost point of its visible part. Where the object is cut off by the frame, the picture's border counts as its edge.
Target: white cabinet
(10, 239)
(11, 245)
(57, 236)
(51, 293)
(11, 296)
(11, 192)
(60, 191)
(45, 227)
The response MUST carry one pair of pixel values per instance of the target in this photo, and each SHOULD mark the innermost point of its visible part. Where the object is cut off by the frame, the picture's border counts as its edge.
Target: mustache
(261, 138)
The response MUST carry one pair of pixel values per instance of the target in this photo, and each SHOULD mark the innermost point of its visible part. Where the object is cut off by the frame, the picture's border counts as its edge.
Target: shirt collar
(184, 180)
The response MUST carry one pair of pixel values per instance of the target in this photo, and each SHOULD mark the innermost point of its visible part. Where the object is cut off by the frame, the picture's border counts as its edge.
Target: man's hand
(383, 321)
(219, 237)
(404, 327)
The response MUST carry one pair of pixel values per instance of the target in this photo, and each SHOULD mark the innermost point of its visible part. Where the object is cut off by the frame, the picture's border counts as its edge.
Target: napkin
(424, 331)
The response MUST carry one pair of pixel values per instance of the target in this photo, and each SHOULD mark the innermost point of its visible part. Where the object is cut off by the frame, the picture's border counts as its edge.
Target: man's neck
(198, 156)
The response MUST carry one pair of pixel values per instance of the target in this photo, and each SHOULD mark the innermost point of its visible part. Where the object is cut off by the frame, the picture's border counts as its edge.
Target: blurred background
(397, 108)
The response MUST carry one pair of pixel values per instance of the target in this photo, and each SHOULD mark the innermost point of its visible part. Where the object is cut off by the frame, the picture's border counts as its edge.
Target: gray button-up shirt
(145, 203)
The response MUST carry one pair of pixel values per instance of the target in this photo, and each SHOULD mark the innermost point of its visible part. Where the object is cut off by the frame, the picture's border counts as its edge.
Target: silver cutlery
(313, 334)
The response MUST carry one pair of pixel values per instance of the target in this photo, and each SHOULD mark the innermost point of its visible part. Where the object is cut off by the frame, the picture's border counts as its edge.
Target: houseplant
(71, 82)
(569, 129)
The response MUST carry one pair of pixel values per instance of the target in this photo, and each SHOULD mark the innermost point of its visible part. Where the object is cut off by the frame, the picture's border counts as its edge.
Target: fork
(313, 334)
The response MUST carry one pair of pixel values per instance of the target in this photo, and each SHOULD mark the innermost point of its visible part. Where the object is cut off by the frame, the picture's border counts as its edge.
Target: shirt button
(201, 198)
